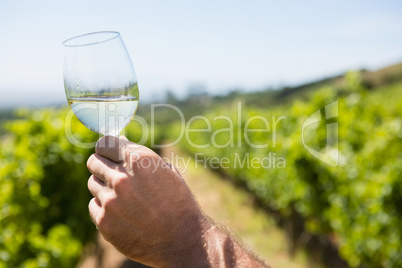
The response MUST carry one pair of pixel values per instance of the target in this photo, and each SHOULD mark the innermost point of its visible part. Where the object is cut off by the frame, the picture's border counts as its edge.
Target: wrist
(209, 246)
(206, 248)
(192, 250)
(220, 249)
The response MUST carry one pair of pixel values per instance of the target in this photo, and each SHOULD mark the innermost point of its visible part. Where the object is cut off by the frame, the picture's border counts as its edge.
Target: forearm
(224, 251)
(216, 249)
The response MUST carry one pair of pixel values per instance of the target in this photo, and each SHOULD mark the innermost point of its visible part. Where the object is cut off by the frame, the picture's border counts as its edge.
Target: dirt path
(233, 208)
(227, 205)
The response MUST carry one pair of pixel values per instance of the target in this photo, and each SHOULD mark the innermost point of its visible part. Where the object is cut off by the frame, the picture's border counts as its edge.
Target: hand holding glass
(100, 81)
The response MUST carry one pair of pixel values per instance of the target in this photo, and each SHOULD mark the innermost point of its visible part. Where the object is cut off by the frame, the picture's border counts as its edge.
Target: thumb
(123, 137)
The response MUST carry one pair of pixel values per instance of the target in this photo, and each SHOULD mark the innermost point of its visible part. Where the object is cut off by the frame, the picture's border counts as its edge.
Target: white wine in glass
(100, 81)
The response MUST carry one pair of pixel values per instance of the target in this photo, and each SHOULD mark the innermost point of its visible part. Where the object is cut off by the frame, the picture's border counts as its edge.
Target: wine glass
(100, 81)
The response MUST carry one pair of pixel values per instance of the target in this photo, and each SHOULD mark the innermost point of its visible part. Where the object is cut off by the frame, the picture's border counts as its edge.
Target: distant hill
(373, 80)
(385, 76)
(198, 104)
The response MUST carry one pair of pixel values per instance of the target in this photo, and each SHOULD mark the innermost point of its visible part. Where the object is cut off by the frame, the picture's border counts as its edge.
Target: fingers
(94, 210)
(123, 137)
(103, 168)
(97, 188)
(113, 148)
(109, 147)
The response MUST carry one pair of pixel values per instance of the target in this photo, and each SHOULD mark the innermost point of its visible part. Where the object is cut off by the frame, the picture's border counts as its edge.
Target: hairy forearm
(224, 251)
(217, 248)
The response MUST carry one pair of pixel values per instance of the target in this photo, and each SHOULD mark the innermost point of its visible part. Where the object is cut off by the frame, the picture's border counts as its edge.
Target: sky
(217, 45)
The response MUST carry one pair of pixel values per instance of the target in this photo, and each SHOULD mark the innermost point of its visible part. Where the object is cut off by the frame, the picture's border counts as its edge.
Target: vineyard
(43, 192)
(340, 176)
(355, 200)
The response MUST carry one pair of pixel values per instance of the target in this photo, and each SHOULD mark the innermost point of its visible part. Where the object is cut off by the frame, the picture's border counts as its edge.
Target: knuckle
(101, 222)
(130, 155)
(90, 160)
(109, 204)
(132, 148)
(148, 157)
(89, 182)
(108, 174)
(90, 206)
(92, 212)
(119, 184)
